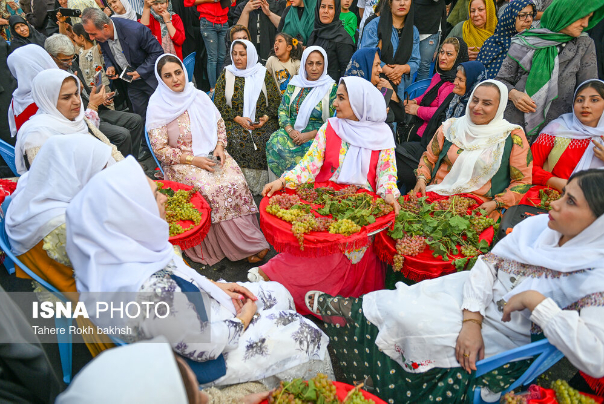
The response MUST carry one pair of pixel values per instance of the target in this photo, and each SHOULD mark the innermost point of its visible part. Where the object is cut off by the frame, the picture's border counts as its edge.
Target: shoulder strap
(229, 87)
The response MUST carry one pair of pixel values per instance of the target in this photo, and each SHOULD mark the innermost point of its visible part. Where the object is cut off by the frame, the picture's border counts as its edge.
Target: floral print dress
(277, 341)
(281, 151)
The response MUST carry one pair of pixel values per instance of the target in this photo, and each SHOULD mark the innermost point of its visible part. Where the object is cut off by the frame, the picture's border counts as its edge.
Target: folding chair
(8, 154)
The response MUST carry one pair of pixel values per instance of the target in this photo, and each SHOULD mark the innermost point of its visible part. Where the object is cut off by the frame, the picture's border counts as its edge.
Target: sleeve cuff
(545, 312)
(473, 304)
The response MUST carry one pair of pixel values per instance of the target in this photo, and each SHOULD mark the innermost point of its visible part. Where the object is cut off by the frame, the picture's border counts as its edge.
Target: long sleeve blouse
(426, 113)
(556, 157)
(310, 166)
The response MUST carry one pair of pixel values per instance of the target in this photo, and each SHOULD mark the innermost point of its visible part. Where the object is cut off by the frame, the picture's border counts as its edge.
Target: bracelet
(421, 177)
(189, 159)
(473, 320)
(290, 130)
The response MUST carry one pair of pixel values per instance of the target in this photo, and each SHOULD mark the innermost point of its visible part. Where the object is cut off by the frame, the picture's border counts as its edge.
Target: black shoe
(144, 155)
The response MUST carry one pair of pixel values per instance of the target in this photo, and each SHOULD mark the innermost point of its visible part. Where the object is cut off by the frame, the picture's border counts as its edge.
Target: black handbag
(515, 215)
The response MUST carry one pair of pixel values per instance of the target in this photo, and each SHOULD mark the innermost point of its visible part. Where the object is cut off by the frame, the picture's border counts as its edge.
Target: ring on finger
(466, 355)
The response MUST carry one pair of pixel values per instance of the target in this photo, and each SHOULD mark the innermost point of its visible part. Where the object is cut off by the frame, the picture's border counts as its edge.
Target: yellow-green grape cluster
(285, 201)
(381, 208)
(479, 223)
(567, 395)
(344, 226)
(456, 204)
(357, 398)
(325, 387)
(278, 396)
(289, 215)
(470, 251)
(397, 262)
(179, 208)
(511, 398)
(303, 224)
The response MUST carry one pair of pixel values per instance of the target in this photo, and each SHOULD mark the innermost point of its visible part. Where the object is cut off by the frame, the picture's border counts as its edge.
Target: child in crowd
(285, 62)
(348, 18)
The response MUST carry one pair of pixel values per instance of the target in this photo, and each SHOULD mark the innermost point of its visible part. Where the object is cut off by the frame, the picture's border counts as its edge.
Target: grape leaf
(483, 246)
(459, 224)
(460, 263)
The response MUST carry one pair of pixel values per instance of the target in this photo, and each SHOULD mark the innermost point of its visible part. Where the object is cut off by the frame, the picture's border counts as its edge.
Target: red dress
(333, 274)
(556, 157)
(179, 36)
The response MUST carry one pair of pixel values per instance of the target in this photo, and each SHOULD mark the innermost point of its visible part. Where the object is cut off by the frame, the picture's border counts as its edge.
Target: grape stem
(351, 392)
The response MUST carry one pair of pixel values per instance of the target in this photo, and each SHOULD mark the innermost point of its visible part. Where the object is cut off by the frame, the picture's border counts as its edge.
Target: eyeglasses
(525, 16)
(66, 60)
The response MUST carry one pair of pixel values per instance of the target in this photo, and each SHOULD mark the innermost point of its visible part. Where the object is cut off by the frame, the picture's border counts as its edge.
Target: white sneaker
(254, 276)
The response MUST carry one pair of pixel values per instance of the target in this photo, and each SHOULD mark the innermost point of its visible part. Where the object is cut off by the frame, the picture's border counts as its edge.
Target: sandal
(254, 276)
(315, 305)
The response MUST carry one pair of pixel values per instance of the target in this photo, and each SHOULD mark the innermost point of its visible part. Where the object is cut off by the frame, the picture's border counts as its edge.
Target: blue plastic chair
(8, 154)
(189, 63)
(547, 356)
(151, 150)
(417, 89)
(64, 339)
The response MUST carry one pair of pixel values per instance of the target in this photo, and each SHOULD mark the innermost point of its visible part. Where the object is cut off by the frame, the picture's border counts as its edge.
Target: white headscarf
(367, 134)
(116, 239)
(48, 122)
(320, 87)
(482, 147)
(570, 127)
(166, 105)
(144, 372)
(129, 13)
(254, 74)
(61, 169)
(24, 64)
(532, 242)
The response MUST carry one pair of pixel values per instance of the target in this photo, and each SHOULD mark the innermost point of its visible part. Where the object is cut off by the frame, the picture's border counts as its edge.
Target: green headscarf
(559, 15)
(295, 26)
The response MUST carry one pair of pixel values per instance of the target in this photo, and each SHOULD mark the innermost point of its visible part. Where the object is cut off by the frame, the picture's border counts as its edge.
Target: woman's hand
(3, 21)
(107, 11)
(523, 300)
(473, 52)
(219, 153)
(147, 3)
(272, 187)
(558, 183)
(488, 207)
(470, 346)
(522, 101)
(420, 186)
(263, 119)
(96, 98)
(298, 137)
(166, 16)
(245, 123)
(391, 200)
(384, 83)
(598, 148)
(410, 102)
(60, 18)
(204, 163)
(411, 108)
(247, 312)
(397, 73)
(237, 293)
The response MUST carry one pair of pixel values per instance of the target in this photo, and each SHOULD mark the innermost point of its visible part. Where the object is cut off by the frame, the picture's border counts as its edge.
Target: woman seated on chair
(480, 153)
(22, 33)
(248, 100)
(186, 131)
(124, 247)
(361, 131)
(573, 142)
(549, 272)
(305, 106)
(24, 64)
(61, 112)
(35, 218)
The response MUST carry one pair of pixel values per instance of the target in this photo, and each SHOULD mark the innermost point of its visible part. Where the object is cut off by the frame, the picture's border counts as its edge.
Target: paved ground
(229, 271)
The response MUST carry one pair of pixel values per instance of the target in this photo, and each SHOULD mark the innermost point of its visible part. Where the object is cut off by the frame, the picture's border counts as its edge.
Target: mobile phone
(112, 96)
(98, 81)
(69, 12)
(124, 76)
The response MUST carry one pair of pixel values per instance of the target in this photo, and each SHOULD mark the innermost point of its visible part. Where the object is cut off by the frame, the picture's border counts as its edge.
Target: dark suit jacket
(140, 47)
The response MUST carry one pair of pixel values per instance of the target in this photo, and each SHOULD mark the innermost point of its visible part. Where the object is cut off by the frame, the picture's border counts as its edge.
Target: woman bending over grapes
(420, 343)
(479, 153)
(355, 148)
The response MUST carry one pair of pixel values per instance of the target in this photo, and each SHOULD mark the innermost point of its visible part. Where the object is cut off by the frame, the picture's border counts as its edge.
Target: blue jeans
(213, 37)
(427, 47)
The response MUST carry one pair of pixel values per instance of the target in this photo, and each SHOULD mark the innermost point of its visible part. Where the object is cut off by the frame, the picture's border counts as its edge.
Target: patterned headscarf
(166, 40)
(495, 49)
(361, 63)
(475, 73)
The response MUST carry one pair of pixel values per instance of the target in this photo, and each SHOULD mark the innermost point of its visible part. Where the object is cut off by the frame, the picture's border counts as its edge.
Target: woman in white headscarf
(573, 142)
(367, 146)
(496, 164)
(123, 9)
(60, 112)
(546, 278)
(24, 64)
(248, 101)
(35, 219)
(305, 107)
(189, 138)
(118, 242)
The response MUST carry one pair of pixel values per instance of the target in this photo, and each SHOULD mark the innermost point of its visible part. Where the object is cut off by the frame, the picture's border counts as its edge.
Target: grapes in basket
(179, 208)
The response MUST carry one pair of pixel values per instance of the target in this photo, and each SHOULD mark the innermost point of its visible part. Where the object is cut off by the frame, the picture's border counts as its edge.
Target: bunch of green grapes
(278, 396)
(567, 395)
(397, 262)
(325, 387)
(479, 223)
(179, 208)
(289, 215)
(357, 398)
(303, 224)
(470, 251)
(511, 398)
(380, 208)
(344, 226)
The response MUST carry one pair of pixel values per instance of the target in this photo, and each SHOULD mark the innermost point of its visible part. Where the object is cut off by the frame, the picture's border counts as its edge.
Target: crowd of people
(286, 93)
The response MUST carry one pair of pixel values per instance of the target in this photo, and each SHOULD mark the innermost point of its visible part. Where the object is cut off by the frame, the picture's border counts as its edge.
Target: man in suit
(126, 45)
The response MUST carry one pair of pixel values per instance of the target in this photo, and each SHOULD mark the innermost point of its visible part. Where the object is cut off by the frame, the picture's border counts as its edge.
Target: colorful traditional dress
(281, 151)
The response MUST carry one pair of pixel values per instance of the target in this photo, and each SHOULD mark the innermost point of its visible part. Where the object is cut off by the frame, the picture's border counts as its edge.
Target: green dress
(240, 141)
(281, 151)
